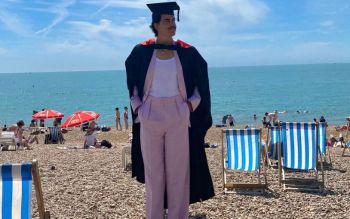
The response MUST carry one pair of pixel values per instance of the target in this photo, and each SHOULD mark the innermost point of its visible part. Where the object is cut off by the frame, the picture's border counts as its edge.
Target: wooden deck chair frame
(327, 153)
(125, 152)
(311, 184)
(38, 191)
(10, 142)
(347, 147)
(347, 137)
(230, 187)
(268, 146)
(348, 127)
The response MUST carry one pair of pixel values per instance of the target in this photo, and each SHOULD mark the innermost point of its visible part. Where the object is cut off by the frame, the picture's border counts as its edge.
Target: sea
(297, 92)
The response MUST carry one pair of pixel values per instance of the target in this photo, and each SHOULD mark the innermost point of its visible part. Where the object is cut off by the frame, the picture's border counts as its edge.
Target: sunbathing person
(21, 141)
(341, 128)
(91, 141)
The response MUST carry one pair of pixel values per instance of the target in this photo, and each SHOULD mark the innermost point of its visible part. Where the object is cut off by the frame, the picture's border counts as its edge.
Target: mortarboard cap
(164, 8)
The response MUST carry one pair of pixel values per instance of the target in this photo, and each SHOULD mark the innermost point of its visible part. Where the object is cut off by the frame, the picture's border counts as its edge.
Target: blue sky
(65, 35)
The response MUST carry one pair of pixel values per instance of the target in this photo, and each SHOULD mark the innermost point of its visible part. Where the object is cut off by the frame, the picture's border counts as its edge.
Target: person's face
(166, 26)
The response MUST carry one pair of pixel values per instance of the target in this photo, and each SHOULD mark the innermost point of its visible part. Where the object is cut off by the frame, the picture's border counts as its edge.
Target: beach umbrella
(79, 118)
(48, 114)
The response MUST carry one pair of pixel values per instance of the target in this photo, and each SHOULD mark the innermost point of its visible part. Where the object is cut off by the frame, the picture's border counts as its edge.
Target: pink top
(164, 82)
(195, 99)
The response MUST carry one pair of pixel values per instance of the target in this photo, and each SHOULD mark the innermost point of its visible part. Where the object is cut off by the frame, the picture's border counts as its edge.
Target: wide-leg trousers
(165, 150)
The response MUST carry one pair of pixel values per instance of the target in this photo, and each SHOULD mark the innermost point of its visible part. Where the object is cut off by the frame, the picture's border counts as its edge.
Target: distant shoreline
(210, 67)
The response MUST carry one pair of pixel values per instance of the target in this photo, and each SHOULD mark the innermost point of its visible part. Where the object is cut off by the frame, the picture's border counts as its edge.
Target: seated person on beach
(275, 120)
(21, 141)
(4, 128)
(58, 121)
(230, 120)
(332, 141)
(92, 126)
(42, 123)
(85, 126)
(224, 119)
(322, 119)
(32, 123)
(340, 128)
(55, 135)
(266, 123)
(91, 140)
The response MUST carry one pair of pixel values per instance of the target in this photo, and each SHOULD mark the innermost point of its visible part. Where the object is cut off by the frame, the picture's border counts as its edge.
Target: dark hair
(155, 19)
(125, 107)
(33, 120)
(117, 108)
(20, 123)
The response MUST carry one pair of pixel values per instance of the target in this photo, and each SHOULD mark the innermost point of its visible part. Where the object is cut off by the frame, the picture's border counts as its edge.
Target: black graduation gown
(195, 75)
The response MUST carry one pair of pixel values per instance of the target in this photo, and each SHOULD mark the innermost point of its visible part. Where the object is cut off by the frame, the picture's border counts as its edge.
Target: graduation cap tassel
(178, 15)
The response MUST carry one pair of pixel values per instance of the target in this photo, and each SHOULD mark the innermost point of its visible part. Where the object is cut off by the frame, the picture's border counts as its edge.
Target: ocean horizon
(311, 89)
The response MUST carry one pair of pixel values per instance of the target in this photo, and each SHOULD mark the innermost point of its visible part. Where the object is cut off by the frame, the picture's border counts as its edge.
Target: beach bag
(105, 129)
(106, 143)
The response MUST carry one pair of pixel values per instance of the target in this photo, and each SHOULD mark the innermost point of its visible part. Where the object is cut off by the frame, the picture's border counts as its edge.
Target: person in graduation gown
(170, 99)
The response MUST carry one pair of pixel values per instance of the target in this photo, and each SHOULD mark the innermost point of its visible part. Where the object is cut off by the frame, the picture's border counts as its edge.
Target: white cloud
(13, 1)
(248, 37)
(243, 11)
(327, 24)
(2, 51)
(106, 30)
(104, 4)
(313, 45)
(103, 38)
(207, 21)
(312, 52)
(61, 12)
(13, 23)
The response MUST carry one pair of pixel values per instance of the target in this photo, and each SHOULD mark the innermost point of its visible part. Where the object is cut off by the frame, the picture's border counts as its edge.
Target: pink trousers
(165, 150)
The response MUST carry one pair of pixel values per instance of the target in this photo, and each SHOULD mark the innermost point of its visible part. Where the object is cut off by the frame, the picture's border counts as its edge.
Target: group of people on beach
(118, 124)
(270, 119)
(22, 142)
(228, 120)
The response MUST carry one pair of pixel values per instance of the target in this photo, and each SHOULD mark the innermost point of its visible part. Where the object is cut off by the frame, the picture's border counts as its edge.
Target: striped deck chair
(273, 142)
(322, 142)
(16, 190)
(347, 147)
(300, 156)
(348, 127)
(54, 136)
(7, 139)
(243, 150)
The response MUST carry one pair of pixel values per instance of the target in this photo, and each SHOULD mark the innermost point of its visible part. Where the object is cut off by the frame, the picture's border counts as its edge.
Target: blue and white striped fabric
(274, 140)
(15, 190)
(54, 132)
(299, 145)
(243, 149)
(347, 144)
(322, 137)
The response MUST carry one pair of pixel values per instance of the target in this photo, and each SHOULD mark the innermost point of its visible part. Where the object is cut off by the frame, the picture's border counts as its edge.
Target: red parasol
(79, 118)
(47, 114)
